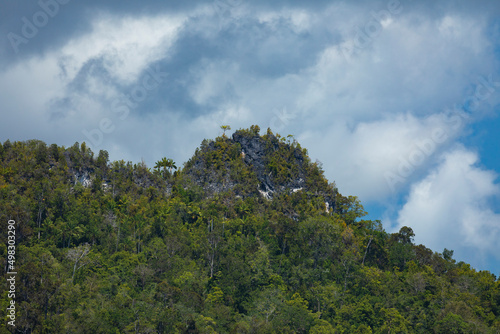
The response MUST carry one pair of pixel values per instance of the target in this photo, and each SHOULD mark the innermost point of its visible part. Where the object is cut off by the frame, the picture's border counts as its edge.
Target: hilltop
(249, 164)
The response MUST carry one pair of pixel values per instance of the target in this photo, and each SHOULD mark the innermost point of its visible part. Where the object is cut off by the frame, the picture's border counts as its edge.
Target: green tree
(394, 322)
(165, 164)
(225, 128)
(452, 323)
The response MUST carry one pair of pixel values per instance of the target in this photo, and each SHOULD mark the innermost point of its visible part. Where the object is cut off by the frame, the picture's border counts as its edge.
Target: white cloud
(409, 64)
(362, 158)
(450, 208)
(65, 90)
(126, 44)
(212, 80)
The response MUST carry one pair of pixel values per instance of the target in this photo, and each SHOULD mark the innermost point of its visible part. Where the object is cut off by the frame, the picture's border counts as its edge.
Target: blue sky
(398, 99)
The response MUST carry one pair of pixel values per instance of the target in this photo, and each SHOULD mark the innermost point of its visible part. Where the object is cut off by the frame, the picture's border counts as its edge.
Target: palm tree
(165, 163)
(225, 128)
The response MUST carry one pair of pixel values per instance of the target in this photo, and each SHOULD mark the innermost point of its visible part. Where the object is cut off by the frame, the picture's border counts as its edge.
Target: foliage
(112, 247)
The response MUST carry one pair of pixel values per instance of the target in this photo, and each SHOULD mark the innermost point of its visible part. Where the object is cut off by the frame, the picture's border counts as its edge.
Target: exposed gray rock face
(255, 150)
(83, 178)
(208, 178)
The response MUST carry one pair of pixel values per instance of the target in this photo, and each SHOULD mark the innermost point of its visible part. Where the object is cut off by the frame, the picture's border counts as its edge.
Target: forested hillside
(246, 237)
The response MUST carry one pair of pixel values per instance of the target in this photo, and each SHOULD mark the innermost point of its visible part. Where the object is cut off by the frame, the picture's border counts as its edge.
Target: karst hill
(247, 236)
